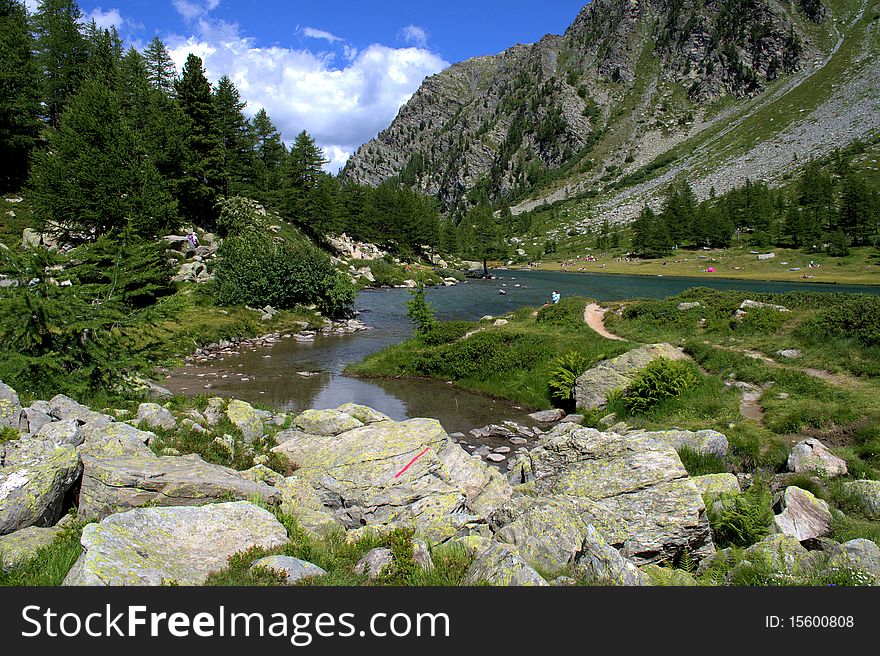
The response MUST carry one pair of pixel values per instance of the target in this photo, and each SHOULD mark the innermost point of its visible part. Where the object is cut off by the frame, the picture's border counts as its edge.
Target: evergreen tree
(161, 71)
(19, 102)
(93, 178)
(204, 178)
(651, 235)
(105, 55)
(62, 54)
(854, 216)
(269, 156)
(485, 241)
(303, 169)
(235, 134)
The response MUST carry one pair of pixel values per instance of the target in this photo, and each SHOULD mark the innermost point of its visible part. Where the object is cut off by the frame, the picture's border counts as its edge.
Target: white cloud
(106, 19)
(342, 107)
(31, 5)
(313, 33)
(191, 10)
(414, 35)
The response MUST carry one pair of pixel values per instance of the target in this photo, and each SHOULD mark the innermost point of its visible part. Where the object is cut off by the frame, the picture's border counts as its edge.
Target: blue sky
(340, 70)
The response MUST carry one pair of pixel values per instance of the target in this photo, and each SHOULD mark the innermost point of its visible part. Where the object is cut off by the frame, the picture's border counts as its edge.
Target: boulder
(789, 354)
(754, 305)
(716, 485)
(35, 477)
(637, 479)
(857, 555)
(10, 407)
(326, 422)
(215, 411)
(32, 419)
(684, 307)
(115, 439)
(394, 474)
(812, 456)
(706, 442)
(804, 517)
(18, 548)
(374, 561)
(867, 495)
(245, 418)
(669, 578)
(598, 563)
(591, 390)
(497, 564)
(547, 416)
(492, 431)
(293, 570)
(63, 407)
(155, 416)
(62, 432)
(782, 554)
(120, 483)
(485, 488)
(171, 546)
(363, 414)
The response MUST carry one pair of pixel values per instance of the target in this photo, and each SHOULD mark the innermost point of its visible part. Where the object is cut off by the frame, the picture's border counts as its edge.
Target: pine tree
(19, 104)
(854, 215)
(204, 179)
(235, 134)
(62, 54)
(93, 178)
(161, 71)
(269, 156)
(105, 55)
(303, 169)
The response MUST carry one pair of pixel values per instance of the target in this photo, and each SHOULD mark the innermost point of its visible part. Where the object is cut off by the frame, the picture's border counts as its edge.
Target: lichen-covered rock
(215, 411)
(550, 532)
(32, 419)
(292, 434)
(755, 305)
(638, 479)
(716, 485)
(62, 432)
(293, 570)
(497, 564)
(706, 442)
(171, 546)
(669, 578)
(392, 474)
(485, 488)
(245, 418)
(363, 414)
(63, 407)
(867, 495)
(782, 554)
(115, 439)
(598, 563)
(591, 390)
(326, 422)
(376, 560)
(812, 456)
(19, 547)
(804, 517)
(113, 485)
(35, 477)
(547, 416)
(859, 555)
(155, 416)
(10, 407)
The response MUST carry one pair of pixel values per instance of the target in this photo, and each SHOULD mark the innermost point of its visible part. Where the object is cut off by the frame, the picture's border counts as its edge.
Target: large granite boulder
(812, 456)
(706, 442)
(804, 517)
(598, 563)
(396, 474)
(638, 480)
(716, 485)
(155, 416)
(63, 407)
(326, 422)
(866, 494)
(62, 432)
(116, 439)
(857, 555)
(10, 407)
(18, 548)
(246, 419)
(33, 418)
(171, 546)
(35, 477)
(497, 564)
(591, 390)
(783, 555)
(363, 414)
(120, 483)
(374, 562)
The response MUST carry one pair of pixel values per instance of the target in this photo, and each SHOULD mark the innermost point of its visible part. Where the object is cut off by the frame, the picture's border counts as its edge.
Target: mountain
(635, 93)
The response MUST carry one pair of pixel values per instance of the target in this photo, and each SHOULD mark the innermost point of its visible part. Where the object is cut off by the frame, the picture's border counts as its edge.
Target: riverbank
(861, 267)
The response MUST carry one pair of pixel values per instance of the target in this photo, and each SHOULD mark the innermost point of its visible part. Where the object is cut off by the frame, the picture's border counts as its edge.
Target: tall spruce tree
(269, 156)
(62, 54)
(302, 172)
(161, 71)
(19, 99)
(204, 179)
(236, 137)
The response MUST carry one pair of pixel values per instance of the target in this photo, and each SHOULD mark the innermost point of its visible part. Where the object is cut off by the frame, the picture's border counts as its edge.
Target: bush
(661, 379)
(420, 312)
(568, 312)
(239, 215)
(700, 464)
(445, 333)
(483, 355)
(759, 321)
(744, 519)
(852, 316)
(566, 370)
(254, 269)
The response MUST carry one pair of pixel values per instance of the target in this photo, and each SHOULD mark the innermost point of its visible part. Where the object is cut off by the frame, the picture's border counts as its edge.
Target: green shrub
(484, 355)
(8, 434)
(661, 379)
(420, 312)
(255, 269)
(744, 519)
(566, 370)
(446, 332)
(240, 215)
(759, 321)
(852, 316)
(568, 312)
(698, 463)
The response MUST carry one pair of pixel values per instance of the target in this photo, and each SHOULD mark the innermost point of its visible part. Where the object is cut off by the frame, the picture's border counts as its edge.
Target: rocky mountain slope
(633, 94)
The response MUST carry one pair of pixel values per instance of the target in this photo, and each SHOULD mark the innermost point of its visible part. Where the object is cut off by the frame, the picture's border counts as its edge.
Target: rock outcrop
(811, 456)
(803, 516)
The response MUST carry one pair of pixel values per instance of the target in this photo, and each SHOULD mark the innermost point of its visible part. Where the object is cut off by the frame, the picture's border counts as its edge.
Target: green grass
(50, 564)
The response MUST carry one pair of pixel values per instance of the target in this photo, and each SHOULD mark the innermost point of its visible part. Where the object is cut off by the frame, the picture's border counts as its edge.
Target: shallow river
(270, 376)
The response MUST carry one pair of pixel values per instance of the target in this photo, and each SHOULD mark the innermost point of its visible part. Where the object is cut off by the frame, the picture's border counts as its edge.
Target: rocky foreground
(608, 507)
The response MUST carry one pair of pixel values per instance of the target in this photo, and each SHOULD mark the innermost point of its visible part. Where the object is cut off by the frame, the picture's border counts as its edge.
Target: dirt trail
(594, 316)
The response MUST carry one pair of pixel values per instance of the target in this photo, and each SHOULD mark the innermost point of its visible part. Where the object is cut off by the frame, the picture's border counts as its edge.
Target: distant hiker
(193, 241)
(556, 297)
